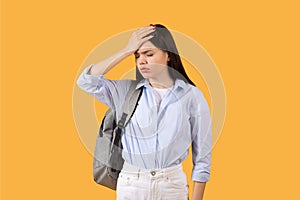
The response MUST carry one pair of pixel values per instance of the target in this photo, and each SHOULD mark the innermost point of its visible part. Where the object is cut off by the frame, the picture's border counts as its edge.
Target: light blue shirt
(159, 135)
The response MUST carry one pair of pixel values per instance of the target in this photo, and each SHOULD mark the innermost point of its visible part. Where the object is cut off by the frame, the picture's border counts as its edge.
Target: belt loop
(139, 173)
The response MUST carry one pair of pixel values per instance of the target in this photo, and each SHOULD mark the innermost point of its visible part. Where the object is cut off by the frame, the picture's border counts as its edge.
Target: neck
(161, 83)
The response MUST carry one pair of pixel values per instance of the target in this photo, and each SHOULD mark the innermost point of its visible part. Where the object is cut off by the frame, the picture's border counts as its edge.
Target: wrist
(126, 51)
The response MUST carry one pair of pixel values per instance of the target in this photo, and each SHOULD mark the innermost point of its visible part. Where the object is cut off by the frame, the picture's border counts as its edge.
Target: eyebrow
(143, 52)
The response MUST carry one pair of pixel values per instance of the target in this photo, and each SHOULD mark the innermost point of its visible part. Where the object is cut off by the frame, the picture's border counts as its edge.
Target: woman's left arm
(198, 190)
(200, 121)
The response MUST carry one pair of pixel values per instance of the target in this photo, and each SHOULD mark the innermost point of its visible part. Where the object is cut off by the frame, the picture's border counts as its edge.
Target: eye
(137, 56)
(150, 54)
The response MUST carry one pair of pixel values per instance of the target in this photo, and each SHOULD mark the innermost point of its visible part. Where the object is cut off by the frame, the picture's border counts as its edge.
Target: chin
(146, 76)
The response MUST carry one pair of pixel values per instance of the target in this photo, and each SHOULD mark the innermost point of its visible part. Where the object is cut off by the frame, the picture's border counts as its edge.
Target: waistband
(135, 170)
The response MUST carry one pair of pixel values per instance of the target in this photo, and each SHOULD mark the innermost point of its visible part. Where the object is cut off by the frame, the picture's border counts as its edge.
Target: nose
(142, 60)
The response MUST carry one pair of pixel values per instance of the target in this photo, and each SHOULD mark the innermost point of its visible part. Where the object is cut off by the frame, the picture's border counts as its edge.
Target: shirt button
(153, 173)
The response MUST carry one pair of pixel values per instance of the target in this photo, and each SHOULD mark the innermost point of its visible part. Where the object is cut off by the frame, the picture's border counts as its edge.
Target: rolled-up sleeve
(109, 92)
(201, 139)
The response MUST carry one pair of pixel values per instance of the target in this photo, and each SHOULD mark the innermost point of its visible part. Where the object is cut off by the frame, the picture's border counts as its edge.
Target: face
(151, 61)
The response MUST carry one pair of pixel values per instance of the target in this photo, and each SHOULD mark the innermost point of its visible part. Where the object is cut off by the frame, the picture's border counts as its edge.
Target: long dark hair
(164, 40)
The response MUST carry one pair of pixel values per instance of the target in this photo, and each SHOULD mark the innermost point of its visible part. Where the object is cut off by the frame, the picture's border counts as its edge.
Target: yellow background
(255, 45)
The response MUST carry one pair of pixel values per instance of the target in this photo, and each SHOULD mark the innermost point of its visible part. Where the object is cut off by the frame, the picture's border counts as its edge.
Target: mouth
(144, 69)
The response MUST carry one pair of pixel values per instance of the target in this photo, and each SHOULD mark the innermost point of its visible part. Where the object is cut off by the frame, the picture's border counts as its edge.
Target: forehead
(146, 46)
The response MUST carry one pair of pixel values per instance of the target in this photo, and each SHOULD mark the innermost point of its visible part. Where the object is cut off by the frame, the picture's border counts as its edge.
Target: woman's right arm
(108, 91)
(106, 65)
(136, 40)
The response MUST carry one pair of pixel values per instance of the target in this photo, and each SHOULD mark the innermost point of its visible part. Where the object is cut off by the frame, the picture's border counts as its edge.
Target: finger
(142, 29)
(145, 33)
(146, 38)
(145, 29)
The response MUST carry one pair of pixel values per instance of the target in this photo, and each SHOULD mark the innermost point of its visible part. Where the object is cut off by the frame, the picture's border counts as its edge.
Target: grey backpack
(108, 161)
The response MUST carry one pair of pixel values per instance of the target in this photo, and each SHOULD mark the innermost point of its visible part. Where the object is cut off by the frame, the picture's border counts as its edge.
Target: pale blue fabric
(159, 136)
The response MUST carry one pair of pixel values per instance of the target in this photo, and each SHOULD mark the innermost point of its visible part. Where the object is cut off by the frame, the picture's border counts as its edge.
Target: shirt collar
(178, 83)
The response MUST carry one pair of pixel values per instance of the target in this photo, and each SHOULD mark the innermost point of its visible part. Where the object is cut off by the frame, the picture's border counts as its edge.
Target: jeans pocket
(177, 180)
(127, 179)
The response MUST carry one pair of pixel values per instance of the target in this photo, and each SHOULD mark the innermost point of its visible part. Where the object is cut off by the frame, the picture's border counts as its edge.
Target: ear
(168, 56)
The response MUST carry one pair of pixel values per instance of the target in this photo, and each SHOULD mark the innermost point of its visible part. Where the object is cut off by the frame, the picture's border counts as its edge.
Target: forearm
(136, 40)
(198, 190)
(104, 66)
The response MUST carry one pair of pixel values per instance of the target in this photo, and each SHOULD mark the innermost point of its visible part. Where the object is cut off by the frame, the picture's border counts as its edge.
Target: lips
(144, 69)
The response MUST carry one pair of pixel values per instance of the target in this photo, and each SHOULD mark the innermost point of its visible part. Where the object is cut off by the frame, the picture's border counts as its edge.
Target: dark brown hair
(164, 40)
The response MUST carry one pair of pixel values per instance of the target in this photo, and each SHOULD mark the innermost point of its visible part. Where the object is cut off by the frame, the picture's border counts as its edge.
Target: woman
(171, 115)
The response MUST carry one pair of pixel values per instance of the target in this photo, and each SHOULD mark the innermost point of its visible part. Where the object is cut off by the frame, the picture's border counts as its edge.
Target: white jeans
(144, 184)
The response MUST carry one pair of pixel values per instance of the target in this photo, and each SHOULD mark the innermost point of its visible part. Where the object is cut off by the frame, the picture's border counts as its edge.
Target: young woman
(171, 115)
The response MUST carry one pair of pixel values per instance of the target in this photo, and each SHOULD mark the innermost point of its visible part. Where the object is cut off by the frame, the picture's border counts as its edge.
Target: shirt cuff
(199, 175)
(90, 78)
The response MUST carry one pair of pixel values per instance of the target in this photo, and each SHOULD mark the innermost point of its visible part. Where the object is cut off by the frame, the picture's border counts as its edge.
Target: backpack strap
(131, 102)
